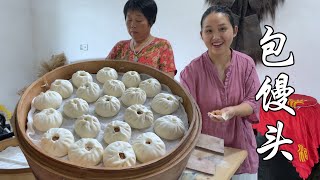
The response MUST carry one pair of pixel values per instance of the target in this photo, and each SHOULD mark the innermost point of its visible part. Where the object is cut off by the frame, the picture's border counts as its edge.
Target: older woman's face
(137, 25)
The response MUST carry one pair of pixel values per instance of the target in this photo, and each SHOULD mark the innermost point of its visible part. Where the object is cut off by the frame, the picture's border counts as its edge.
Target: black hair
(147, 7)
(218, 9)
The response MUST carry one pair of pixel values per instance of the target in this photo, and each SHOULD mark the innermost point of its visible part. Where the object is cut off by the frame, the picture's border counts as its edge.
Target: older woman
(144, 48)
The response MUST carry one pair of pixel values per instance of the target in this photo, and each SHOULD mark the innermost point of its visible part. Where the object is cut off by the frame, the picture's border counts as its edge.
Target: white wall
(62, 25)
(300, 22)
(16, 58)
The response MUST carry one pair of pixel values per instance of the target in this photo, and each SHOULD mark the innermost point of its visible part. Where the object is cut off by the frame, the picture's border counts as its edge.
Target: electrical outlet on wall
(84, 47)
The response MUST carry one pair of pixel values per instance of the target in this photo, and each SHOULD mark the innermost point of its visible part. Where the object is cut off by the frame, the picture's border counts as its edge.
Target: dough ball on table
(169, 127)
(117, 131)
(114, 88)
(106, 74)
(89, 91)
(119, 154)
(48, 99)
(63, 87)
(107, 106)
(151, 86)
(85, 152)
(148, 146)
(56, 141)
(164, 103)
(138, 116)
(75, 107)
(133, 96)
(80, 77)
(131, 79)
(87, 126)
(46, 119)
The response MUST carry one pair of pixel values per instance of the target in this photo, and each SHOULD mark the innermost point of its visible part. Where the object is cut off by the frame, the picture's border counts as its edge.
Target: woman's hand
(216, 115)
(222, 115)
(228, 112)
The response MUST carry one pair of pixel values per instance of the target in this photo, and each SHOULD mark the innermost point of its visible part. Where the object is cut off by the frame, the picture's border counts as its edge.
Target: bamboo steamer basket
(168, 167)
(14, 174)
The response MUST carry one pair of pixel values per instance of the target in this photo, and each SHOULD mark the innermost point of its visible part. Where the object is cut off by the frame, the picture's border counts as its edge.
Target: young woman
(224, 83)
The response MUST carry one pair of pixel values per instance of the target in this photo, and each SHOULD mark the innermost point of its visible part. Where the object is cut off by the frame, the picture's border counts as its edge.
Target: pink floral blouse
(157, 54)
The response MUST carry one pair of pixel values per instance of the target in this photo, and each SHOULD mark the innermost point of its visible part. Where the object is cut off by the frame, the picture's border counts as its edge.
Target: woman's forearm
(243, 109)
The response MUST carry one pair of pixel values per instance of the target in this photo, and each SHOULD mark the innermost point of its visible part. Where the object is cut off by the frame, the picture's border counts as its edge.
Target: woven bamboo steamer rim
(66, 169)
(18, 172)
(3, 145)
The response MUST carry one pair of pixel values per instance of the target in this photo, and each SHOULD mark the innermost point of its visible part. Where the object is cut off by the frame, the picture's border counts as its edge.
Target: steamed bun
(48, 99)
(63, 87)
(164, 103)
(131, 79)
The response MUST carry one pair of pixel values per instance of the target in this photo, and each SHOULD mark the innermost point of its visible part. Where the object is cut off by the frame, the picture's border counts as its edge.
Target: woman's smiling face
(218, 33)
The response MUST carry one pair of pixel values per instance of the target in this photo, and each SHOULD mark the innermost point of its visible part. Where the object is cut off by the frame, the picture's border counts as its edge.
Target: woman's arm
(115, 51)
(242, 110)
(171, 74)
(166, 61)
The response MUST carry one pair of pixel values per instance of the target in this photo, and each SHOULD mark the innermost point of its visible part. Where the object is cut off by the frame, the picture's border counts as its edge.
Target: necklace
(146, 43)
